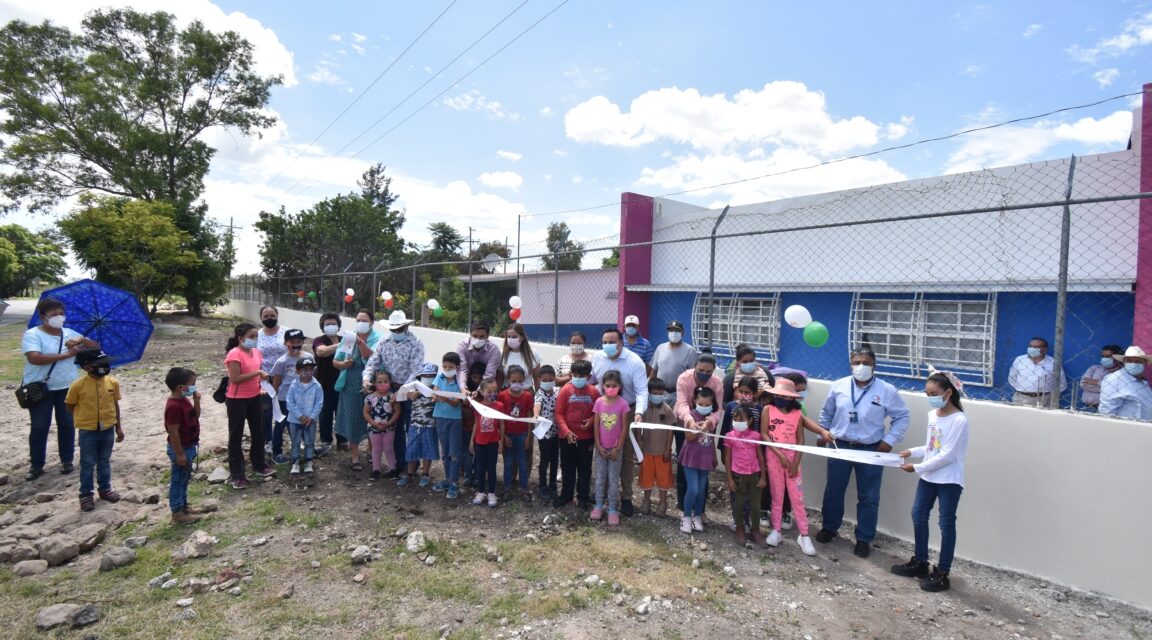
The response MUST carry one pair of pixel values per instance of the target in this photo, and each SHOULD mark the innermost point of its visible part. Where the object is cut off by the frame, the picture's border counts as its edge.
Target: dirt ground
(523, 570)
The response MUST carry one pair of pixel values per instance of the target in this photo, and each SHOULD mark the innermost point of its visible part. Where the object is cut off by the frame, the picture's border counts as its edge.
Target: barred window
(909, 333)
(754, 321)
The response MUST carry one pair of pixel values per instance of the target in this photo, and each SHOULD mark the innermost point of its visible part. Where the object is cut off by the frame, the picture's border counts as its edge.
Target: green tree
(483, 250)
(120, 108)
(38, 257)
(564, 253)
(446, 243)
(611, 261)
(9, 266)
(133, 244)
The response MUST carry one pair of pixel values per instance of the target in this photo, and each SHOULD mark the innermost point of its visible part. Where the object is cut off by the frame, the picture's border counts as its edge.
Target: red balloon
(347, 298)
(389, 302)
(299, 294)
(514, 314)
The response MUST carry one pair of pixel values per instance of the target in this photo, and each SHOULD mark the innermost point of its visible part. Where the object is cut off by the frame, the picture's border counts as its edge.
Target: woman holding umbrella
(49, 350)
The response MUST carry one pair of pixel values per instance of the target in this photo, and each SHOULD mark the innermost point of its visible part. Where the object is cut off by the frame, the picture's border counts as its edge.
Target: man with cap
(401, 355)
(634, 379)
(637, 343)
(1125, 393)
(672, 358)
(305, 400)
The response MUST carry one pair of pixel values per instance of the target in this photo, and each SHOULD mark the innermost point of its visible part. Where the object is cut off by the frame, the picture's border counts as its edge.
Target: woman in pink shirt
(244, 404)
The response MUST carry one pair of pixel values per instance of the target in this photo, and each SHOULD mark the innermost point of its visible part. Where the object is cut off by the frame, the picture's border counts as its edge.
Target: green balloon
(438, 311)
(815, 334)
(312, 295)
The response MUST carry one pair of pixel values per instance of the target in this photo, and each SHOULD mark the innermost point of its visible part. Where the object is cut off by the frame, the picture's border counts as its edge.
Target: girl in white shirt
(941, 478)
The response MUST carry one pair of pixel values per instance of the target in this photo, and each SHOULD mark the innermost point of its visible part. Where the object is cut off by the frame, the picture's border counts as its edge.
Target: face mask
(655, 399)
(803, 394)
(363, 327)
(703, 410)
(740, 426)
(56, 322)
(703, 376)
(516, 387)
(449, 373)
(675, 336)
(478, 343)
(399, 337)
(862, 372)
(331, 329)
(744, 399)
(547, 386)
(631, 331)
(250, 343)
(936, 402)
(748, 367)
(1107, 363)
(513, 343)
(611, 349)
(102, 370)
(579, 382)
(1134, 368)
(190, 391)
(491, 397)
(611, 392)
(576, 349)
(427, 379)
(269, 322)
(782, 404)
(1033, 352)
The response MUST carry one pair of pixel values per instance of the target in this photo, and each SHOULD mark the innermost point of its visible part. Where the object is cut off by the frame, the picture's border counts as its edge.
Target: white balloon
(387, 295)
(797, 316)
(433, 304)
(349, 291)
(515, 302)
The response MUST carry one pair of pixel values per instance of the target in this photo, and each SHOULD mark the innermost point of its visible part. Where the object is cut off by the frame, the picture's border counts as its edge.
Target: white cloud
(1011, 145)
(584, 78)
(358, 37)
(971, 70)
(897, 130)
(1031, 30)
(358, 49)
(560, 153)
(322, 74)
(502, 180)
(509, 155)
(335, 37)
(577, 179)
(1137, 32)
(1105, 77)
(476, 101)
(547, 112)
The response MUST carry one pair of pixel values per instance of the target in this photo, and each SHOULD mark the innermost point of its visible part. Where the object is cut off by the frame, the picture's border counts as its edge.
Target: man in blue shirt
(637, 343)
(855, 413)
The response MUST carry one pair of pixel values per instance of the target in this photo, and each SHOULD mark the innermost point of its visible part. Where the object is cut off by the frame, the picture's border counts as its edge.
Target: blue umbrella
(113, 317)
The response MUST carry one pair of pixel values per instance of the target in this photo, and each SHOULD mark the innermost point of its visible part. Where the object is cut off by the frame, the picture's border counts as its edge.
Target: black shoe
(626, 508)
(33, 474)
(583, 505)
(395, 473)
(912, 569)
(66, 468)
(825, 536)
(560, 503)
(936, 581)
(375, 474)
(863, 549)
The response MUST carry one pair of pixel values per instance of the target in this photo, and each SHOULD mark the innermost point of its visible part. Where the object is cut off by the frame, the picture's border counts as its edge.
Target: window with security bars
(735, 320)
(910, 333)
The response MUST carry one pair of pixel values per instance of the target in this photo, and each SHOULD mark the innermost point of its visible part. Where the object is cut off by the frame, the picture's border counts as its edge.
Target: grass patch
(11, 357)
(509, 605)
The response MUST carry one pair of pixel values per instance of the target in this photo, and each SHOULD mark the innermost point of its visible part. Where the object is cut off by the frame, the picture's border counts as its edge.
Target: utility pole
(470, 253)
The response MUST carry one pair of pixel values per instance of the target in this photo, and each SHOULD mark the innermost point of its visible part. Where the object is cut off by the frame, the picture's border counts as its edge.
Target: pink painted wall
(636, 214)
(1142, 322)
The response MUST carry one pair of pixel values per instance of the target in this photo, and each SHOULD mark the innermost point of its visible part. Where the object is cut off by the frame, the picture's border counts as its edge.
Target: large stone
(415, 542)
(361, 555)
(24, 532)
(44, 497)
(3, 479)
(56, 615)
(87, 615)
(135, 542)
(219, 475)
(89, 535)
(210, 505)
(198, 545)
(30, 568)
(57, 549)
(117, 557)
(22, 552)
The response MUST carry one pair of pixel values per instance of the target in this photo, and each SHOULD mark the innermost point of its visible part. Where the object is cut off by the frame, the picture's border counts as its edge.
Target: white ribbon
(489, 412)
(277, 415)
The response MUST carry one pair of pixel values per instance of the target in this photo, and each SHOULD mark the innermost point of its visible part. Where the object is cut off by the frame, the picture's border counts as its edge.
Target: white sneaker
(773, 538)
(686, 524)
(492, 500)
(765, 522)
(806, 545)
(479, 499)
(295, 469)
(786, 523)
(308, 467)
(732, 527)
(697, 523)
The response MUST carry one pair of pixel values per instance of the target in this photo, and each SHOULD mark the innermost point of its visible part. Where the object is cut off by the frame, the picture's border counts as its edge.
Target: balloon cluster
(386, 296)
(815, 333)
(434, 307)
(516, 303)
(349, 295)
(301, 295)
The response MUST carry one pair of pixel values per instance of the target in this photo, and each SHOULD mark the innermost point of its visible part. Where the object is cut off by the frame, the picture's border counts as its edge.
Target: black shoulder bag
(33, 393)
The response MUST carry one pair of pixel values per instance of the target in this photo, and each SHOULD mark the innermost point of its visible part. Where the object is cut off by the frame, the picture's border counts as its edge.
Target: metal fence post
(470, 254)
(1062, 293)
(712, 273)
(413, 318)
(555, 296)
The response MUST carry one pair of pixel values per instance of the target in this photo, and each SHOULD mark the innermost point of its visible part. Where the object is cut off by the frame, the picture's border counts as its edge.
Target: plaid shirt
(402, 360)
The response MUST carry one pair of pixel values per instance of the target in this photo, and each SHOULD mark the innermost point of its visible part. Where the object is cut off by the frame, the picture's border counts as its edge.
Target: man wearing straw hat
(401, 356)
(1125, 393)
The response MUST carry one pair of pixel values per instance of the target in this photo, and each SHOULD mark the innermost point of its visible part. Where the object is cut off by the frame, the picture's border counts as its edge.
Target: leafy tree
(133, 244)
(9, 266)
(120, 108)
(611, 261)
(446, 243)
(563, 253)
(38, 257)
(484, 249)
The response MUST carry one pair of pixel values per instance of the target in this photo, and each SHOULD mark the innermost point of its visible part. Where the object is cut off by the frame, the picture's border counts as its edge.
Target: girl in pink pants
(782, 421)
(381, 412)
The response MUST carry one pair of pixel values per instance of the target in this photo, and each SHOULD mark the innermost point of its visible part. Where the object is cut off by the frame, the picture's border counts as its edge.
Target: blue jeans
(400, 442)
(305, 435)
(516, 456)
(278, 429)
(868, 477)
(41, 418)
(697, 491)
(328, 415)
(178, 484)
(448, 432)
(926, 495)
(96, 454)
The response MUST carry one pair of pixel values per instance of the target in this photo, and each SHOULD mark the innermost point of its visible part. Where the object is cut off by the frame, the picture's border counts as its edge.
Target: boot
(741, 539)
(662, 508)
(646, 505)
(758, 538)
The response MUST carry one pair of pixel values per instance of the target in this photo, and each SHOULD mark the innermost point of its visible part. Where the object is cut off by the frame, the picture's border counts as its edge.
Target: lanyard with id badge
(853, 416)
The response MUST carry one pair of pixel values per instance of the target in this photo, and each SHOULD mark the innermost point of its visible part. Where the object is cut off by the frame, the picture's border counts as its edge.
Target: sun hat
(397, 320)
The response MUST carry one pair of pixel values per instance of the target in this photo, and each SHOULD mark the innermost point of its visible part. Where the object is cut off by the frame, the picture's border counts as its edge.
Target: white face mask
(478, 343)
(740, 426)
(363, 327)
(56, 322)
(576, 348)
(331, 329)
(862, 372)
(675, 336)
(513, 343)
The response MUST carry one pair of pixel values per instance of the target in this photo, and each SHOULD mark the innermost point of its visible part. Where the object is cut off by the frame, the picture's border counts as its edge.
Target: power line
(362, 93)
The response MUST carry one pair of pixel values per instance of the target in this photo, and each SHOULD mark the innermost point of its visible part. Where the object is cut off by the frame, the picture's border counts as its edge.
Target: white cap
(631, 320)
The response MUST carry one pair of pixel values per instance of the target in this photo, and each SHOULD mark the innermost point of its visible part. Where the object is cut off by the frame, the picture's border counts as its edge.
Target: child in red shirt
(182, 422)
(574, 422)
(519, 400)
(487, 442)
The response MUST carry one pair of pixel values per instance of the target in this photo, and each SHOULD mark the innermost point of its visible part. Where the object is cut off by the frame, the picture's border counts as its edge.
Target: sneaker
(492, 500)
(773, 538)
(183, 517)
(912, 569)
(686, 525)
(240, 483)
(479, 499)
(267, 472)
(267, 448)
(87, 503)
(395, 473)
(863, 549)
(375, 474)
(786, 523)
(596, 514)
(824, 536)
(765, 520)
(936, 581)
(425, 480)
(66, 468)
(404, 480)
(452, 493)
(441, 486)
(308, 467)
(281, 459)
(613, 519)
(295, 470)
(697, 523)
(806, 545)
(33, 474)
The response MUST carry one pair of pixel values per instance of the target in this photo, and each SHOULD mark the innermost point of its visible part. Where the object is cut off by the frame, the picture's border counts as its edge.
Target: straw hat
(1133, 352)
(784, 388)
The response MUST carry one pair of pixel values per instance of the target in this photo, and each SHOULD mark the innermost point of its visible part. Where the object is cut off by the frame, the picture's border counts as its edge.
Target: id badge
(853, 418)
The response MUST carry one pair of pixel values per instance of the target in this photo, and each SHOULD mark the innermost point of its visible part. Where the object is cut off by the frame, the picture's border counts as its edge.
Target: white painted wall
(587, 296)
(1057, 495)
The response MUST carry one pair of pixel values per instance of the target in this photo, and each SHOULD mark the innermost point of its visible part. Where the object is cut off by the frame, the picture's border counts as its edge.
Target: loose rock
(43, 497)
(415, 542)
(74, 615)
(730, 571)
(219, 475)
(259, 542)
(27, 568)
(287, 592)
(57, 549)
(184, 602)
(209, 506)
(117, 557)
(135, 542)
(198, 545)
(184, 615)
(88, 536)
(361, 555)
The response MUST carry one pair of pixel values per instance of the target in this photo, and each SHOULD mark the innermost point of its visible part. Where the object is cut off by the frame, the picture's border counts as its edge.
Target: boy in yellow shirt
(94, 401)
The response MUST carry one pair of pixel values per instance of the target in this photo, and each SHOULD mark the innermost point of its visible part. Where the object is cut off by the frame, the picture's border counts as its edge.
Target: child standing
(574, 422)
(305, 401)
(468, 420)
(612, 414)
(381, 413)
(517, 399)
(656, 444)
(545, 407)
(447, 416)
(94, 402)
(421, 447)
(698, 458)
(747, 472)
(744, 397)
(487, 442)
(283, 375)
(941, 477)
(182, 422)
(783, 422)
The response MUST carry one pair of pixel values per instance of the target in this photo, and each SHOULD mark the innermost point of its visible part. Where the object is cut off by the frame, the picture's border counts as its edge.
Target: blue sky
(653, 97)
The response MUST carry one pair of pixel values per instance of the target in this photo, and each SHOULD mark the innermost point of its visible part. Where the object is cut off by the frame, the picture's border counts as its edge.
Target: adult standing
(518, 351)
(350, 423)
(1090, 381)
(577, 352)
(270, 344)
(477, 347)
(401, 356)
(855, 413)
(634, 377)
(324, 349)
(244, 402)
(702, 374)
(49, 351)
(635, 342)
(1125, 393)
(672, 358)
(1031, 375)
(746, 366)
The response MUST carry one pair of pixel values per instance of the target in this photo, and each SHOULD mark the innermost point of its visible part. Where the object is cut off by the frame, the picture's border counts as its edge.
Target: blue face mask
(1033, 352)
(655, 399)
(803, 394)
(516, 387)
(631, 331)
(250, 343)
(937, 402)
(190, 391)
(399, 337)
(1107, 363)
(579, 382)
(611, 349)
(1134, 368)
(748, 367)
(547, 386)
(703, 410)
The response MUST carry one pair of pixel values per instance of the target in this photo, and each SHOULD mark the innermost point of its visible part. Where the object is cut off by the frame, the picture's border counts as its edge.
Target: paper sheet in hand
(489, 412)
(277, 415)
(347, 343)
(450, 394)
(541, 428)
(416, 385)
